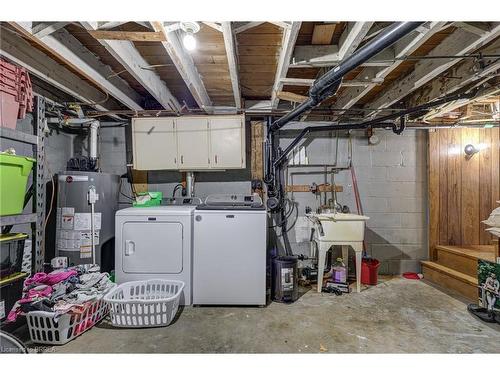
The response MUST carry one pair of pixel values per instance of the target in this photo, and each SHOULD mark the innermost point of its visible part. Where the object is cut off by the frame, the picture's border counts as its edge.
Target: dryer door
(152, 247)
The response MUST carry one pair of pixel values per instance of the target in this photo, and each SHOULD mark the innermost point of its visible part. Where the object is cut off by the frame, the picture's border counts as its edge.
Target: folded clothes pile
(493, 222)
(66, 290)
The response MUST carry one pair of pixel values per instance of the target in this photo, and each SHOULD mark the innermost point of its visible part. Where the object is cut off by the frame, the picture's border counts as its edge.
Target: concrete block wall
(392, 181)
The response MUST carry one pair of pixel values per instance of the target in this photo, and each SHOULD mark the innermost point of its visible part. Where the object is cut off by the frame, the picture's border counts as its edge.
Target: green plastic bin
(156, 198)
(14, 173)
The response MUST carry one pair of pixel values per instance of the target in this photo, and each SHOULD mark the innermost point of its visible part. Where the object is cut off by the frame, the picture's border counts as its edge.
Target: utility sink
(340, 227)
(347, 230)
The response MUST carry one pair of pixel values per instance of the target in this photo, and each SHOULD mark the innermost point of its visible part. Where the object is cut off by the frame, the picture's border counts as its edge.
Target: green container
(14, 173)
(156, 197)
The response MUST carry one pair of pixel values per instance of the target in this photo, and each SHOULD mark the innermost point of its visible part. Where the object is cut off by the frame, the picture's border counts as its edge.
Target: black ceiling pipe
(380, 122)
(328, 84)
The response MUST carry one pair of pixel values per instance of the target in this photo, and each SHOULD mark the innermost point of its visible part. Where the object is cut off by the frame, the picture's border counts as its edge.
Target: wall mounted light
(470, 150)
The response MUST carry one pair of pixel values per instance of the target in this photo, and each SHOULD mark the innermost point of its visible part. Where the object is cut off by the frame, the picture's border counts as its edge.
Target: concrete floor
(396, 316)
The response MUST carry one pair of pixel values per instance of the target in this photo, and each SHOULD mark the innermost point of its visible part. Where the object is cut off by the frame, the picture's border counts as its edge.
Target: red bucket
(369, 271)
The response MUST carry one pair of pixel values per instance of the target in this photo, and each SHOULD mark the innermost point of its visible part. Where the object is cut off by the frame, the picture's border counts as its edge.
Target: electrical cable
(42, 244)
(175, 189)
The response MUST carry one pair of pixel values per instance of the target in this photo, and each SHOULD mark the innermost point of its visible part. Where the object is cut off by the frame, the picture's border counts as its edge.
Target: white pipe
(92, 197)
(94, 127)
(190, 184)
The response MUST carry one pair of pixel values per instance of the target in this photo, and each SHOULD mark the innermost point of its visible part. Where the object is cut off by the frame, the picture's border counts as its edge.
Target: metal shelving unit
(37, 217)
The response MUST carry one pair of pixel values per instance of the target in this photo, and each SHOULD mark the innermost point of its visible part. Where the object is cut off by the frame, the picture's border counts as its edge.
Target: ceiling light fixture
(188, 40)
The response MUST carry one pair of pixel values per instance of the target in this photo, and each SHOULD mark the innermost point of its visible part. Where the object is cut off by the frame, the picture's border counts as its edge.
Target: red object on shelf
(369, 271)
(16, 94)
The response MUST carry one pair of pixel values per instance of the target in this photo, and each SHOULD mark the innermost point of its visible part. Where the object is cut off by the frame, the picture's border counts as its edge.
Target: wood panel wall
(462, 190)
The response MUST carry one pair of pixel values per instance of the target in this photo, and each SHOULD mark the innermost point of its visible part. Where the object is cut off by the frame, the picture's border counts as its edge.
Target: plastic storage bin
(155, 199)
(16, 94)
(149, 303)
(44, 330)
(14, 173)
(11, 290)
(11, 253)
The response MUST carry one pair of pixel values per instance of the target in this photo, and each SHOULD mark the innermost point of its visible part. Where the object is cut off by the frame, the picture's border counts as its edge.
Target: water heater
(75, 222)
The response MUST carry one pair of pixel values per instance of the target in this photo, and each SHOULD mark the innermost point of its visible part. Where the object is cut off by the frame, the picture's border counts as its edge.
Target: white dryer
(155, 242)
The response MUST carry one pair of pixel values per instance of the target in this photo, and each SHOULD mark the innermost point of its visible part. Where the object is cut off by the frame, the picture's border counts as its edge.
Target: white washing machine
(229, 251)
(155, 242)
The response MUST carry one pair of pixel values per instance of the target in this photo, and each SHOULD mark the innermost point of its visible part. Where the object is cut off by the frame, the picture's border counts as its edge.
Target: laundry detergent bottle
(339, 271)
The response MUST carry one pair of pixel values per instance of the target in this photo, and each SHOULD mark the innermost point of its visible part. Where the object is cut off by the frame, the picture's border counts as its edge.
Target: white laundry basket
(149, 303)
(44, 330)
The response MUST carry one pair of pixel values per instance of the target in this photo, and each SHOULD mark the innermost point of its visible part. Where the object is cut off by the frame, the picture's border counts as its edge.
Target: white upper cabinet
(154, 143)
(227, 142)
(193, 148)
(193, 143)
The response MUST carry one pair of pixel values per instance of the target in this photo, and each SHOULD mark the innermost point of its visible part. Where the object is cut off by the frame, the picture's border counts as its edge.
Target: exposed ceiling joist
(19, 51)
(306, 82)
(232, 60)
(288, 43)
(325, 56)
(132, 36)
(128, 56)
(184, 64)
(106, 25)
(460, 42)
(282, 24)
(291, 97)
(214, 25)
(473, 27)
(68, 49)
(352, 37)
(246, 26)
(462, 75)
(449, 107)
(404, 47)
(42, 29)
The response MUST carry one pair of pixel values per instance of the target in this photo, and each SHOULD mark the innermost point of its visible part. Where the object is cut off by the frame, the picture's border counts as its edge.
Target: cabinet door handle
(182, 159)
(216, 159)
(175, 160)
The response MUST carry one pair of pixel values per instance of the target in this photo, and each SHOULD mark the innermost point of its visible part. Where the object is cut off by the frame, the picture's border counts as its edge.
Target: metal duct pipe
(328, 84)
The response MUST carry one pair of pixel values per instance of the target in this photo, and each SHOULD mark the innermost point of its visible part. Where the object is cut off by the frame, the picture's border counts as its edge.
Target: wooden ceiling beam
(291, 97)
(127, 55)
(42, 29)
(232, 60)
(184, 64)
(68, 49)
(288, 43)
(20, 52)
(131, 36)
(246, 26)
(214, 25)
(352, 37)
(406, 46)
(461, 42)
(486, 92)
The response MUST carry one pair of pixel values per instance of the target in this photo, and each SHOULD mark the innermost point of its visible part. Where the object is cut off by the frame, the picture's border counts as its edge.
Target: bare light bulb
(189, 41)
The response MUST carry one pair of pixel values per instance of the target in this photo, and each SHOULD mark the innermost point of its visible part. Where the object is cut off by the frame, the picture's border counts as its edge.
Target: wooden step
(449, 278)
(464, 258)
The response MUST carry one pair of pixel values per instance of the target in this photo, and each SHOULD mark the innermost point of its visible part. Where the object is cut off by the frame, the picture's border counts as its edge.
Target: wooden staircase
(456, 268)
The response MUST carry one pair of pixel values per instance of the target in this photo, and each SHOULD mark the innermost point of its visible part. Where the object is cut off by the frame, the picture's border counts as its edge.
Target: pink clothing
(51, 278)
(44, 291)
